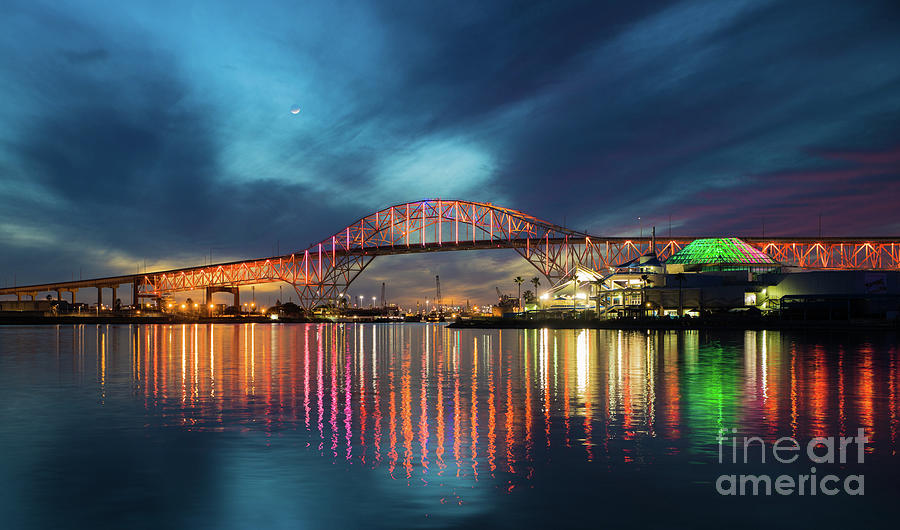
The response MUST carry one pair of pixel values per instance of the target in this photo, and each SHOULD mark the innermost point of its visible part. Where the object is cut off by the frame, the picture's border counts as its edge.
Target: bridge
(326, 269)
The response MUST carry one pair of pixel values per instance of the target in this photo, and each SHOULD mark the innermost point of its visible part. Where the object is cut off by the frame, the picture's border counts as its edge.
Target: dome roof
(720, 251)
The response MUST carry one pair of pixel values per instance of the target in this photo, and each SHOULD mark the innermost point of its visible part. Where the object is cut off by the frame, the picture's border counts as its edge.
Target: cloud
(434, 168)
(465, 276)
(789, 203)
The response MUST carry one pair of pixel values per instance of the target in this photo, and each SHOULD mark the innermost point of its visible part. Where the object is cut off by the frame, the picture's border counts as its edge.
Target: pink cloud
(857, 200)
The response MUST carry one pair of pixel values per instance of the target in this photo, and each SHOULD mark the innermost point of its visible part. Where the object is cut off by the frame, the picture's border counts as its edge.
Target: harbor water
(416, 425)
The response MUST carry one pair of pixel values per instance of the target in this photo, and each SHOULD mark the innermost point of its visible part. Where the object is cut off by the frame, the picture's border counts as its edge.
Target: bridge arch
(326, 269)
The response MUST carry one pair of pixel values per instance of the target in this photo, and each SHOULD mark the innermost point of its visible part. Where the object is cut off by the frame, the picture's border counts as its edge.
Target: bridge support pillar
(18, 297)
(236, 291)
(135, 300)
(208, 300)
(99, 298)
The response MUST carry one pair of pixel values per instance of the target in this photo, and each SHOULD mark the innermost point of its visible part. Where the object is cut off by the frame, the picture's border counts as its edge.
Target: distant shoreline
(30, 320)
(491, 323)
(679, 324)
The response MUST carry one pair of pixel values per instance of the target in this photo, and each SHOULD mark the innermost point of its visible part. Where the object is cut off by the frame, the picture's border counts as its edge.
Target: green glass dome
(721, 251)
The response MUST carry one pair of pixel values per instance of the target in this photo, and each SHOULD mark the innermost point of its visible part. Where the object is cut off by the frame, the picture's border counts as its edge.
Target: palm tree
(536, 282)
(519, 281)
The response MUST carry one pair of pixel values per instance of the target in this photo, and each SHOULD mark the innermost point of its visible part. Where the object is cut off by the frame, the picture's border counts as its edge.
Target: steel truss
(326, 269)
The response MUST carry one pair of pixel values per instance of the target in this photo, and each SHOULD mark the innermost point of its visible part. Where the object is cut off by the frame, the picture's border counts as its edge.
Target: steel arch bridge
(326, 269)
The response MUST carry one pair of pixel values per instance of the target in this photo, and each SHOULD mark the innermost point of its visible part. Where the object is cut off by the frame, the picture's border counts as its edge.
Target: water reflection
(425, 402)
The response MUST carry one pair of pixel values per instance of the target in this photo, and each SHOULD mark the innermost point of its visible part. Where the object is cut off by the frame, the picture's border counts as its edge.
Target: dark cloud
(460, 63)
(789, 203)
(129, 168)
(748, 97)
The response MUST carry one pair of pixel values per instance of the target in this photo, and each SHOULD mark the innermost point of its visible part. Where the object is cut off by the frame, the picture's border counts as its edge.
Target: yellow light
(196, 305)
(544, 296)
(183, 306)
(212, 306)
(170, 306)
(253, 304)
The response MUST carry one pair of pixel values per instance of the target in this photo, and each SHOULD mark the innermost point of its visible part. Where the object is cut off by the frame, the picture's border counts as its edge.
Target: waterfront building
(717, 275)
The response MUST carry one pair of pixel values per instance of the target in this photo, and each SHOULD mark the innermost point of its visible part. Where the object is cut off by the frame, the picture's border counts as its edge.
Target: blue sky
(158, 131)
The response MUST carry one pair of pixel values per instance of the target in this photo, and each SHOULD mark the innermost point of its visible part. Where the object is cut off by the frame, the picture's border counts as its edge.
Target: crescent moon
(295, 110)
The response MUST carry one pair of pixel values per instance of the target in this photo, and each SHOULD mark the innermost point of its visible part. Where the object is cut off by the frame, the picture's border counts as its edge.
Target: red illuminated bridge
(326, 269)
